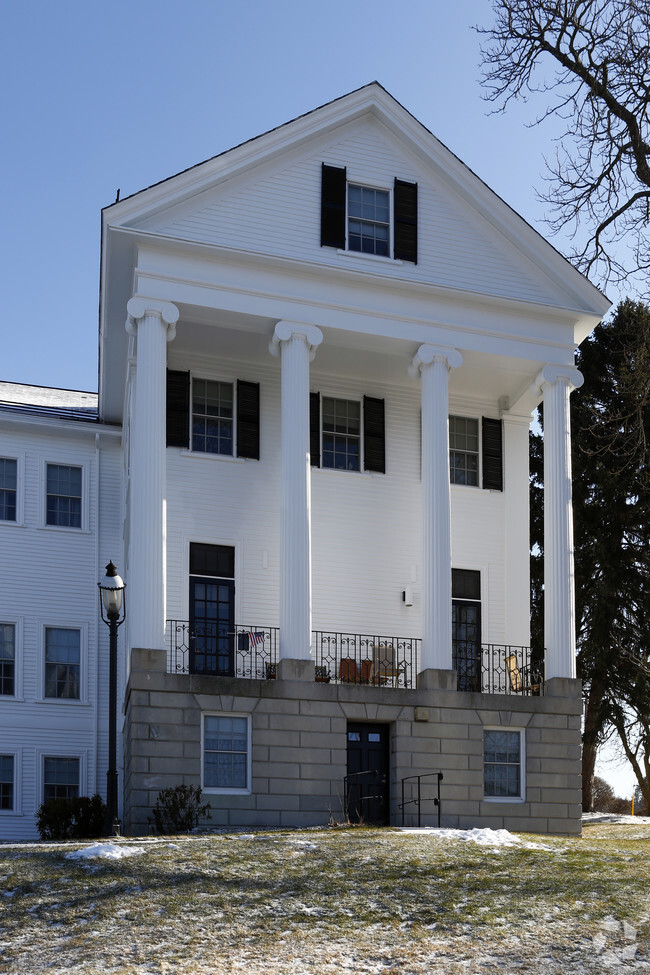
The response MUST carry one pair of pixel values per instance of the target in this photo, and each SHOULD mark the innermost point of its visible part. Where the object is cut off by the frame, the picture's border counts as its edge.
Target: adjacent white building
(319, 354)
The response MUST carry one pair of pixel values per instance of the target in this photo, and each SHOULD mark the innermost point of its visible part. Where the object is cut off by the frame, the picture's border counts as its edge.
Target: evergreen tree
(610, 418)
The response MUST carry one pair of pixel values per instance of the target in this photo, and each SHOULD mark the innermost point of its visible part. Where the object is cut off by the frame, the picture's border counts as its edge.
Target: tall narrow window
(368, 220)
(225, 752)
(63, 496)
(62, 663)
(212, 417)
(8, 487)
(341, 434)
(502, 764)
(212, 609)
(463, 450)
(6, 782)
(60, 778)
(7, 659)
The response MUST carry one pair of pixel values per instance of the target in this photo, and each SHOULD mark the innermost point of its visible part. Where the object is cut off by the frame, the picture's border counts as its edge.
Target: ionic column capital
(137, 308)
(428, 354)
(311, 335)
(552, 374)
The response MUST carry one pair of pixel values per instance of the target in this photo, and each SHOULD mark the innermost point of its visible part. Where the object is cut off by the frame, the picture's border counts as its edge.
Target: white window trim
(206, 453)
(349, 399)
(207, 539)
(59, 751)
(65, 624)
(214, 790)
(17, 623)
(20, 491)
(479, 453)
(391, 221)
(85, 494)
(522, 764)
(16, 754)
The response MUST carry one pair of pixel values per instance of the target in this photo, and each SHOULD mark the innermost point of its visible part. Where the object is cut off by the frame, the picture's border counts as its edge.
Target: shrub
(178, 809)
(81, 818)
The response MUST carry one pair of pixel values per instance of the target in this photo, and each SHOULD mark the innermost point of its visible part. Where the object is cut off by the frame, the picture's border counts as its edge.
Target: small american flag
(255, 639)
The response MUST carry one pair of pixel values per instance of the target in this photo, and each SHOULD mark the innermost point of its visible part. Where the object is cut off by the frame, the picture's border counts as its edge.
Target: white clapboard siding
(276, 210)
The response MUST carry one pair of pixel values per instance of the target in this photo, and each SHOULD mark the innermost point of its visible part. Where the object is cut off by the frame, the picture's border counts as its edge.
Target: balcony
(215, 650)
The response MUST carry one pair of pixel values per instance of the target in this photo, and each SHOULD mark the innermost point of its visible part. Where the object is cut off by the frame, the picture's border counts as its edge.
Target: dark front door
(466, 628)
(212, 610)
(367, 791)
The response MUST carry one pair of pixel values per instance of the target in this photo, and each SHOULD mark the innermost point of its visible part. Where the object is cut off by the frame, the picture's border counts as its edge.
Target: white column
(154, 324)
(295, 344)
(433, 365)
(556, 383)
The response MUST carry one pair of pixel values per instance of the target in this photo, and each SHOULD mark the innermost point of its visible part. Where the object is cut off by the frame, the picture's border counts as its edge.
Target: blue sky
(122, 94)
(101, 95)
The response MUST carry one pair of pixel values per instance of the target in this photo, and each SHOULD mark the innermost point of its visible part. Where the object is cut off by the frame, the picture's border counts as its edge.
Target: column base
(563, 687)
(437, 680)
(291, 669)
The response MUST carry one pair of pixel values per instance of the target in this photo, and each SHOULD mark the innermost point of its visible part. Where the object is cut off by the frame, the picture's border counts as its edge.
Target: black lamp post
(113, 609)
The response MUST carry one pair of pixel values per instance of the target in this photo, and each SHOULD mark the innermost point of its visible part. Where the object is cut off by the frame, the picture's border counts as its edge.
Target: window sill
(65, 528)
(509, 799)
(377, 258)
(214, 791)
(62, 701)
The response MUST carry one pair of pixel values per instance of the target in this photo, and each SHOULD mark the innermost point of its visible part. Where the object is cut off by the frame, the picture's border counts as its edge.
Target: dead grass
(331, 901)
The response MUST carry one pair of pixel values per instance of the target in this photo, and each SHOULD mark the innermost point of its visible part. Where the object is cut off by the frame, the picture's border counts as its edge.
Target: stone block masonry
(298, 748)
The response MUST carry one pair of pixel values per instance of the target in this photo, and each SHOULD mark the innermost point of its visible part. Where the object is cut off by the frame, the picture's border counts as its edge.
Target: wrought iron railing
(215, 650)
(491, 668)
(415, 797)
(357, 658)
(347, 658)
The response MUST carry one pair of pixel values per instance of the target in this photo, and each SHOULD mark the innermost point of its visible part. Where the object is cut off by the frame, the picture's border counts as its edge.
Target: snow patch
(484, 837)
(106, 851)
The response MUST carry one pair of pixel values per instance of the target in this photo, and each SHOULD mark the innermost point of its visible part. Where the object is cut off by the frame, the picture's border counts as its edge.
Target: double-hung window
(213, 417)
(7, 659)
(347, 434)
(7, 782)
(62, 663)
(503, 764)
(226, 753)
(368, 219)
(60, 778)
(8, 488)
(467, 442)
(463, 450)
(63, 496)
(341, 434)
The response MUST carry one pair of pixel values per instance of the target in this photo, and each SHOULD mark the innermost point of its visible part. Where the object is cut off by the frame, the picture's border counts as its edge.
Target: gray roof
(67, 404)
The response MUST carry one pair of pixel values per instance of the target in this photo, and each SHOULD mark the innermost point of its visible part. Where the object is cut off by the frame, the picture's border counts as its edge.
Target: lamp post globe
(113, 610)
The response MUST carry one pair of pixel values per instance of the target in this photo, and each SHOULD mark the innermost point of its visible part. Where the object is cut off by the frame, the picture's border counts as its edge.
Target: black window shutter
(374, 435)
(332, 210)
(405, 208)
(178, 408)
(492, 454)
(314, 428)
(248, 420)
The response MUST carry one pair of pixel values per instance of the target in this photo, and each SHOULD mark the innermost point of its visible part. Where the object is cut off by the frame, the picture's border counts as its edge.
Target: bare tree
(590, 61)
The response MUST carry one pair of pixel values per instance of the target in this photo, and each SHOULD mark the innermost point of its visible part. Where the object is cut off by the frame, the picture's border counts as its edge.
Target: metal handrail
(351, 775)
(418, 800)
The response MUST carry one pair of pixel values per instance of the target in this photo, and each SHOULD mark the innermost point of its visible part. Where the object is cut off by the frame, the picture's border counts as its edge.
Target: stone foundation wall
(299, 742)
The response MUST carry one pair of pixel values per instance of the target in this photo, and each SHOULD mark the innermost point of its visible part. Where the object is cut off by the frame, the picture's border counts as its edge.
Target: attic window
(358, 218)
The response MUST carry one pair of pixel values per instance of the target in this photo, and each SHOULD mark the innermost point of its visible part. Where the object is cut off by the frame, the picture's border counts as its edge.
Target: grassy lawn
(330, 901)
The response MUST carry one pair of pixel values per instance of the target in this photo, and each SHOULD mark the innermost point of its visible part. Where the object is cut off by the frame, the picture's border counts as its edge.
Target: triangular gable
(264, 196)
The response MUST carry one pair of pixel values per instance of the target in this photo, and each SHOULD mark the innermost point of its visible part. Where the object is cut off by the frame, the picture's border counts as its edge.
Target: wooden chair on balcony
(521, 683)
(348, 671)
(384, 668)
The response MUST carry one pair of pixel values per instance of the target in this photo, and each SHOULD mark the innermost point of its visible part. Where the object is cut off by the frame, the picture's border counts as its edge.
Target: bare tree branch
(591, 59)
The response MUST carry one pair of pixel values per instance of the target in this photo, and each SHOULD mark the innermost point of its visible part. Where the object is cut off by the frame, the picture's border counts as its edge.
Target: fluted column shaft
(433, 365)
(295, 344)
(559, 593)
(154, 325)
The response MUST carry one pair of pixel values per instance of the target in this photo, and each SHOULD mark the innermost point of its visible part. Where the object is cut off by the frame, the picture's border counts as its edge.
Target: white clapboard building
(319, 355)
